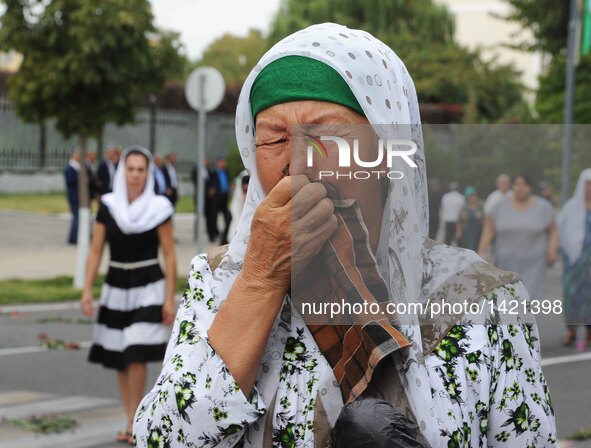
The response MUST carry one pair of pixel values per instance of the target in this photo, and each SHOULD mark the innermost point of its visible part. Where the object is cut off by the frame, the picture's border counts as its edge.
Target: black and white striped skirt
(129, 326)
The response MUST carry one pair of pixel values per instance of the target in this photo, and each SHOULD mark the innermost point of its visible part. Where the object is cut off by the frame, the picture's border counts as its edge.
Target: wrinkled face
(136, 171)
(521, 189)
(281, 145)
(588, 190)
(281, 149)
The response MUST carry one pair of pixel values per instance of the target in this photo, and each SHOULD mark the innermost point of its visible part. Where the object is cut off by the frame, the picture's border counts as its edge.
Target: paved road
(33, 245)
(37, 381)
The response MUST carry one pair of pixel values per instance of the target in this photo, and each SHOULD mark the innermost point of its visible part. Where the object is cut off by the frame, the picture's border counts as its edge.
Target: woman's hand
(288, 228)
(86, 304)
(168, 312)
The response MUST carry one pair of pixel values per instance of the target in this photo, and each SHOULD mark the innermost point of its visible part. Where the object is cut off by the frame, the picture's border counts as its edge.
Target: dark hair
(526, 178)
(137, 151)
(245, 180)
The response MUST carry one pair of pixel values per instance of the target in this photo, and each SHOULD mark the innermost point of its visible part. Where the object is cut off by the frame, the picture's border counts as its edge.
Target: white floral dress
(487, 387)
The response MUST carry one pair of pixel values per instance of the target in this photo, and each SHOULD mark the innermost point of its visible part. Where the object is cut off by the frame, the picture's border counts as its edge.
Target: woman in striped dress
(137, 299)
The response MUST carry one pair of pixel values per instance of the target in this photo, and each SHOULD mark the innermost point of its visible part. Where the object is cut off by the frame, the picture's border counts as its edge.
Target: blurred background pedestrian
(452, 203)
(503, 184)
(159, 179)
(106, 170)
(137, 299)
(574, 227)
(171, 179)
(219, 189)
(525, 236)
(71, 171)
(469, 227)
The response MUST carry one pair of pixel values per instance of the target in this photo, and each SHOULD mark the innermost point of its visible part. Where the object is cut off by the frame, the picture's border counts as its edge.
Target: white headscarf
(571, 220)
(386, 92)
(236, 203)
(145, 212)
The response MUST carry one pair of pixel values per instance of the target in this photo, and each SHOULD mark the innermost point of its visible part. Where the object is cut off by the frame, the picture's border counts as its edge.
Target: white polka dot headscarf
(386, 93)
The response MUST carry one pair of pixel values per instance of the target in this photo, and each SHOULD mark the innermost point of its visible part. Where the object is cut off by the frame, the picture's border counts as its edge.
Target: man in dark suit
(106, 170)
(220, 186)
(210, 193)
(90, 165)
(71, 171)
(170, 176)
(159, 179)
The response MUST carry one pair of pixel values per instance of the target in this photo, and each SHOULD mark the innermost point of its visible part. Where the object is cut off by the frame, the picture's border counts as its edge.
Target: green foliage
(550, 97)
(581, 434)
(459, 152)
(419, 21)
(56, 289)
(546, 19)
(235, 56)
(169, 55)
(421, 33)
(86, 63)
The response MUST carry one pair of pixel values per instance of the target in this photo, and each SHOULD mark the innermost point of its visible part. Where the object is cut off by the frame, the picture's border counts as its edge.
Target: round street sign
(205, 89)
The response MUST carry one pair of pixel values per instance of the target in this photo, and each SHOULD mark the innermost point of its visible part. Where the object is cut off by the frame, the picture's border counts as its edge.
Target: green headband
(297, 78)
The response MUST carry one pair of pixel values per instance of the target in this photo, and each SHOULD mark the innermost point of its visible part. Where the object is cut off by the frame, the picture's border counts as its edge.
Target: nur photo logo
(389, 149)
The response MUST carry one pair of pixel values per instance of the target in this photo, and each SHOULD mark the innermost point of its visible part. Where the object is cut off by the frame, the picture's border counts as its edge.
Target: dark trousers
(450, 232)
(73, 236)
(211, 219)
(222, 207)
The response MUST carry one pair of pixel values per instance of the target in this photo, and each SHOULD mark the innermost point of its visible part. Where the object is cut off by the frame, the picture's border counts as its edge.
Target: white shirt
(451, 206)
(493, 199)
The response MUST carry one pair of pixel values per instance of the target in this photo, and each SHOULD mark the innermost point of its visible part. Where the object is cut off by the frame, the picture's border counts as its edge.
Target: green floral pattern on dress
(490, 380)
(486, 384)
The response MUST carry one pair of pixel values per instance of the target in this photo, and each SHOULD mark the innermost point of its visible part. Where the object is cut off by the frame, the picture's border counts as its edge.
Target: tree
(169, 55)
(234, 56)
(421, 32)
(546, 19)
(86, 63)
(550, 97)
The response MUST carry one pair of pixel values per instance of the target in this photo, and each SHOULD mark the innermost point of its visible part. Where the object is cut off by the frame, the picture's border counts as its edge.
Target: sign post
(204, 91)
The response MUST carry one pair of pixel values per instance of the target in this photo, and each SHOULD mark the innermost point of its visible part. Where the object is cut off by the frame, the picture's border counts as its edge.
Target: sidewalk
(34, 245)
(98, 419)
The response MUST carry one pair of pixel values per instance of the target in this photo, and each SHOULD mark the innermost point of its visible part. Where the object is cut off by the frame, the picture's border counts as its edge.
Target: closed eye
(276, 142)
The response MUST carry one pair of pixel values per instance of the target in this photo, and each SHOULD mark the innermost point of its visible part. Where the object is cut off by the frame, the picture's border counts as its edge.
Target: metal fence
(26, 147)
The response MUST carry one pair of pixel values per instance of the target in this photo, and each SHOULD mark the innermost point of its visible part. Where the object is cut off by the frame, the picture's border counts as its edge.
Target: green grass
(58, 289)
(56, 203)
(185, 205)
(49, 424)
(581, 434)
(41, 203)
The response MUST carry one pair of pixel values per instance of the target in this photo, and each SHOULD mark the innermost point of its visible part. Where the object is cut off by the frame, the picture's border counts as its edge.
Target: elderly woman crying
(247, 367)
